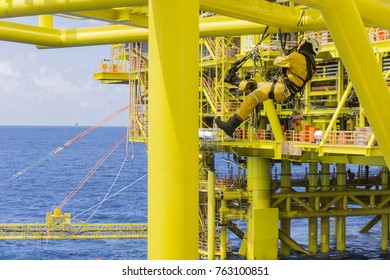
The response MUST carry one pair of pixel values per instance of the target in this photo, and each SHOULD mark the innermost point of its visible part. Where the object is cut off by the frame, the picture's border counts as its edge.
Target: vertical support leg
(313, 231)
(385, 218)
(173, 130)
(45, 21)
(348, 31)
(223, 230)
(211, 215)
(262, 221)
(285, 183)
(341, 221)
(325, 225)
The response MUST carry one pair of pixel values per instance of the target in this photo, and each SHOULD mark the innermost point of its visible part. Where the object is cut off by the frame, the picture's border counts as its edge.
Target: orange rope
(67, 144)
(70, 142)
(92, 171)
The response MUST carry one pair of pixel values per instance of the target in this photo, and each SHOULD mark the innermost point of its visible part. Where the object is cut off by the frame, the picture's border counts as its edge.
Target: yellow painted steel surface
(211, 215)
(351, 40)
(173, 124)
(19, 8)
(59, 227)
(172, 129)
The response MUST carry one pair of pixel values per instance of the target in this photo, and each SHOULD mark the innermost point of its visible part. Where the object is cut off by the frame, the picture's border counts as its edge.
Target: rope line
(109, 190)
(111, 196)
(92, 171)
(67, 144)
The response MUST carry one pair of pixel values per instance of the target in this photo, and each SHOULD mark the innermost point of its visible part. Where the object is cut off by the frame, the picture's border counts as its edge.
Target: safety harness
(293, 88)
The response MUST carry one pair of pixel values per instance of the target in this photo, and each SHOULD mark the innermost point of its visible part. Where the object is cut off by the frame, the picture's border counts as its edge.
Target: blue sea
(28, 197)
(44, 184)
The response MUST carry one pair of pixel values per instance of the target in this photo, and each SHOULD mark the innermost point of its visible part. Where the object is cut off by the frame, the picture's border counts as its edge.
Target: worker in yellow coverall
(297, 69)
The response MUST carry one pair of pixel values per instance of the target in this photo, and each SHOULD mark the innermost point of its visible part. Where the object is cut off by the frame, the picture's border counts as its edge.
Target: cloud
(55, 87)
(7, 69)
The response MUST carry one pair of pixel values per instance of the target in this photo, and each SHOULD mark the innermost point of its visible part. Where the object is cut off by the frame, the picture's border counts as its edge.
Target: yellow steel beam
(127, 16)
(173, 130)
(72, 231)
(351, 40)
(29, 34)
(335, 116)
(374, 12)
(20, 8)
(113, 34)
(255, 11)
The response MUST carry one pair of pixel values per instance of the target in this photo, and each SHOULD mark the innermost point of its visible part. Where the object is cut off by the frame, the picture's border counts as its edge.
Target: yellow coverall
(295, 63)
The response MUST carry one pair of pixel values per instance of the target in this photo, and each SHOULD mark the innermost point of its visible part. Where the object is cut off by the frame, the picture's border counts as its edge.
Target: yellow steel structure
(58, 226)
(176, 101)
(173, 123)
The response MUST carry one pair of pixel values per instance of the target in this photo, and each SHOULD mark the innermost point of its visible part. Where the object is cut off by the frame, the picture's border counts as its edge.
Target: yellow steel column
(341, 221)
(173, 130)
(223, 230)
(211, 215)
(313, 231)
(45, 21)
(325, 225)
(285, 185)
(385, 218)
(273, 118)
(262, 232)
(351, 40)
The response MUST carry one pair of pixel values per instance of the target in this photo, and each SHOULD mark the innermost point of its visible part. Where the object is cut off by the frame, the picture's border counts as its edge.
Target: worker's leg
(252, 99)
(261, 94)
(258, 95)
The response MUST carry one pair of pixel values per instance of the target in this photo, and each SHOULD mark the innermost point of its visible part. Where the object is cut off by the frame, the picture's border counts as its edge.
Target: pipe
(255, 11)
(23, 33)
(21, 8)
(112, 34)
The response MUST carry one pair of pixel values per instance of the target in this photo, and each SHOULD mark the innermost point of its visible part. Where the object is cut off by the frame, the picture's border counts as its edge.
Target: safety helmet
(315, 44)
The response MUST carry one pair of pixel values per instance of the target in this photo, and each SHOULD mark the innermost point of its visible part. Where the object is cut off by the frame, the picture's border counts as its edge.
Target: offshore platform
(174, 56)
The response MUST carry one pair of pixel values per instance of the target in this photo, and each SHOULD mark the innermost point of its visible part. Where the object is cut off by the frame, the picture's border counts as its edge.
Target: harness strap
(311, 68)
(271, 94)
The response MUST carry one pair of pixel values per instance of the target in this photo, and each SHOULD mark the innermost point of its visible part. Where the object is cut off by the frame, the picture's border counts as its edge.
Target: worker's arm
(283, 61)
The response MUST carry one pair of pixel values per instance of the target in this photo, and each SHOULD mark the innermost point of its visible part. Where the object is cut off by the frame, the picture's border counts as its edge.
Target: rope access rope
(101, 202)
(109, 190)
(111, 196)
(92, 171)
(67, 144)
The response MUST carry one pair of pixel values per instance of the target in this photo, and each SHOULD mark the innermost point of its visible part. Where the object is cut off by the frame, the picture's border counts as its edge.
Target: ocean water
(27, 198)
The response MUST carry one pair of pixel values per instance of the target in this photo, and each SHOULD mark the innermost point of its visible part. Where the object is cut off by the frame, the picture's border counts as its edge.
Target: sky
(56, 86)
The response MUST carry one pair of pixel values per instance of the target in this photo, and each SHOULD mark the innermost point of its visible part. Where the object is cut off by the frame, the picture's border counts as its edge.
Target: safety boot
(230, 126)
